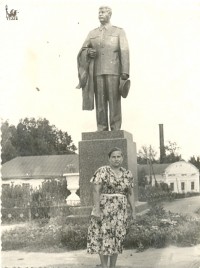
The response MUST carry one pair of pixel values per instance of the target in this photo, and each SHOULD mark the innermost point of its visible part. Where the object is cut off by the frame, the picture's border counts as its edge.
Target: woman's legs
(104, 260)
(113, 260)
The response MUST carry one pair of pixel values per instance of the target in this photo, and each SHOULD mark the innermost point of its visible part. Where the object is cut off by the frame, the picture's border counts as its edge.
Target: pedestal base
(93, 153)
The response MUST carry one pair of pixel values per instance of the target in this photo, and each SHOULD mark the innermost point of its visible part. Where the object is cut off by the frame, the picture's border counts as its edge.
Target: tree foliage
(146, 154)
(8, 137)
(195, 161)
(172, 153)
(34, 137)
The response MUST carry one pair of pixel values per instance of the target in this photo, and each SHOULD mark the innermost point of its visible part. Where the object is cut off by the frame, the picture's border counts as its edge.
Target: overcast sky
(40, 50)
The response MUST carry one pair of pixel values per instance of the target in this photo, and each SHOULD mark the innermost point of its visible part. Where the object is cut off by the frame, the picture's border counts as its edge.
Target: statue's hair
(115, 149)
(107, 8)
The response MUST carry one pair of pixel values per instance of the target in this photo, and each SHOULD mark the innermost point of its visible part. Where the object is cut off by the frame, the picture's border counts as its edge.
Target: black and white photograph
(100, 147)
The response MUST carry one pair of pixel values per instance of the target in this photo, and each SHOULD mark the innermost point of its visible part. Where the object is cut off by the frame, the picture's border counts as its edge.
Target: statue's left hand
(124, 76)
(92, 53)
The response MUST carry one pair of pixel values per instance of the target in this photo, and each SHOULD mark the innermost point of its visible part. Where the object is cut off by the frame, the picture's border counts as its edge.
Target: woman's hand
(96, 213)
(133, 216)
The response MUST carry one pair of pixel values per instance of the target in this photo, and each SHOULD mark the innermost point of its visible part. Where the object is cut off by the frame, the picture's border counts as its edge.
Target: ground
(170, 257)
(184, 206)
(152, 258)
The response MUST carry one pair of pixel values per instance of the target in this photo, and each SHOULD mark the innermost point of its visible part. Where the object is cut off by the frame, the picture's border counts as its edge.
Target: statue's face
(104, 15)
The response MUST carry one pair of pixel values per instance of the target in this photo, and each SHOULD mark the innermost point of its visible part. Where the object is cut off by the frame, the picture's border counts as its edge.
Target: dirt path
(151, 258)
(11, 226)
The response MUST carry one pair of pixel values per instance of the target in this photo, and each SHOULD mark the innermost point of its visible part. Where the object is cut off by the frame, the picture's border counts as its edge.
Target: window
(172, 186)
(192, 185)
(26, 185)
(182, 186)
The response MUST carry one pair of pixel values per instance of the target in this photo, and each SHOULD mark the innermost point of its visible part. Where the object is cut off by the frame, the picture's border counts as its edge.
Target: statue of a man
(102, 62)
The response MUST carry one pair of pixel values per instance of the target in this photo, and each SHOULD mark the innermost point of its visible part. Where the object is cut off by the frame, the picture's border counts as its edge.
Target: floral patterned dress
(106, 236)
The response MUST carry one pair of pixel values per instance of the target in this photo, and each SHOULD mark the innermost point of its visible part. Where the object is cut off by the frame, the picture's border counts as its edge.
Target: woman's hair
(114, 150)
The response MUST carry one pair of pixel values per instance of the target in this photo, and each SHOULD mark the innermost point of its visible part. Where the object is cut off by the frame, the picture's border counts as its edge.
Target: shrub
(51, 192)
(157, 228)
(161, 192)
(74, 237)
(45, 233)
(155, 194)
(198, 211)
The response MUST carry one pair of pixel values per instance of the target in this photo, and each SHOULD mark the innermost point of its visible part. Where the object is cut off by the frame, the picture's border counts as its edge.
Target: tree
(172, 154)
(8, 135)
(146, 154)
(34, 137)
(195, 161)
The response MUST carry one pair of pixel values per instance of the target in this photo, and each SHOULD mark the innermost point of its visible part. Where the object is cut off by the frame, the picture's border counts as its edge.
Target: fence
(16, 215)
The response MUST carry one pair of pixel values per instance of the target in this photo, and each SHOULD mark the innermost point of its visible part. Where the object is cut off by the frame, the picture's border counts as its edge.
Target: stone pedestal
(93, 153)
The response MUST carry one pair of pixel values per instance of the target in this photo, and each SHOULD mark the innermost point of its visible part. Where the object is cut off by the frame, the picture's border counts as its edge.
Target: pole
(162, 146)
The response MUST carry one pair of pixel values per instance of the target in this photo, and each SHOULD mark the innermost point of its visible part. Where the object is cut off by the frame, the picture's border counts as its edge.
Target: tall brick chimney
(162, 146)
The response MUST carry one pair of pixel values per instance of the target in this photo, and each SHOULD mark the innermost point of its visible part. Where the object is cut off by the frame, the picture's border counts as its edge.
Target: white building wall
(182, 173)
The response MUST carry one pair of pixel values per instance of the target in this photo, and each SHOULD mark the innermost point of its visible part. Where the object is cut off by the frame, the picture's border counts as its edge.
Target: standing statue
(103, 69)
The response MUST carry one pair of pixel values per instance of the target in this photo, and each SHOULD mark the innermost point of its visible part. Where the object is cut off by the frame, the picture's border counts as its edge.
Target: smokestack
(162, 146)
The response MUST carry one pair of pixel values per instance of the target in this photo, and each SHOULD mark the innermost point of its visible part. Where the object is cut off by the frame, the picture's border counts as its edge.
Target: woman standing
(112, 188)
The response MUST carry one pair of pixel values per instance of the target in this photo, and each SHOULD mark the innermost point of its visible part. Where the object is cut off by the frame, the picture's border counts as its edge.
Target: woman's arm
(131, 201)
(96, 200)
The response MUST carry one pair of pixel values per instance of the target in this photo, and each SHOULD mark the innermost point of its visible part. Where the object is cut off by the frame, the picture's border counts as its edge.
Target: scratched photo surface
(40, 41)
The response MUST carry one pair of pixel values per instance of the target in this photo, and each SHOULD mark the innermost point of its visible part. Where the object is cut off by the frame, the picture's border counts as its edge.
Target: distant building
(181, 176)
(33, 170)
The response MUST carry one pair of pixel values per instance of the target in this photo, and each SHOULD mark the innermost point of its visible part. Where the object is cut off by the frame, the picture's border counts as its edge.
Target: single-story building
(33, 170)
(181, 176)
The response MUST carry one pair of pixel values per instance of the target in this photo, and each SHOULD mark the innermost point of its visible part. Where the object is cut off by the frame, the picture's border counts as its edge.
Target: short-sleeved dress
(106, 236)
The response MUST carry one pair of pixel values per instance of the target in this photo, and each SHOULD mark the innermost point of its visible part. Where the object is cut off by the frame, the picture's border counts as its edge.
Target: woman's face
(116, 159)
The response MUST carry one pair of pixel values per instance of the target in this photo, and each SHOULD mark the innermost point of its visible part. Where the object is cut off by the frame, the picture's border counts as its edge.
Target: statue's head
(105, 13)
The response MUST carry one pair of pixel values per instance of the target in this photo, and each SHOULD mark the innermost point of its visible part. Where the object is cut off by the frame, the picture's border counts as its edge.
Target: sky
(39, 50)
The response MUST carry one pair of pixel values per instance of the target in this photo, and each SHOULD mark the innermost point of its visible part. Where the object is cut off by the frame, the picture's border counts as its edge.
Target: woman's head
(115, 157)
(114, 149)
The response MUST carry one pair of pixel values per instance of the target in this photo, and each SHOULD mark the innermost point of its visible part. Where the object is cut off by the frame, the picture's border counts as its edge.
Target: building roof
(183, 167)
(45, 166)
(158, 169)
